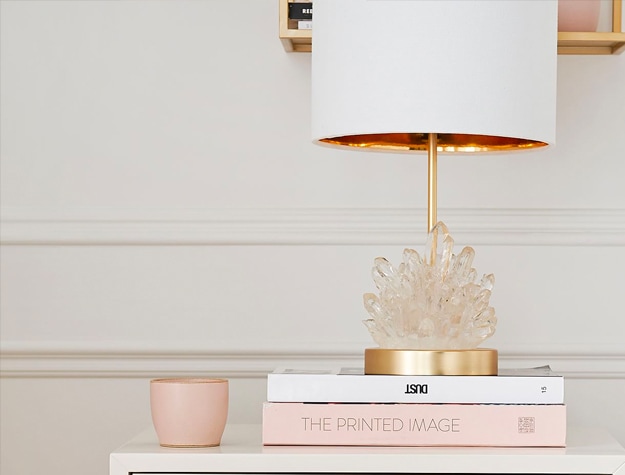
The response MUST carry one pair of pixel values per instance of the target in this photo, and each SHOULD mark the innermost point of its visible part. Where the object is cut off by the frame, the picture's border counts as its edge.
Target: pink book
(503, 425)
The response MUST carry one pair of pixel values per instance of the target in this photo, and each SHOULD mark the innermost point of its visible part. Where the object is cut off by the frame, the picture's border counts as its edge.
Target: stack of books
(300, 13)
(517, 408)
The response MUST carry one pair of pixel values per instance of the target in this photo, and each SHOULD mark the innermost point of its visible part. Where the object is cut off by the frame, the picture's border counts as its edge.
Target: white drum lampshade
(481, 74)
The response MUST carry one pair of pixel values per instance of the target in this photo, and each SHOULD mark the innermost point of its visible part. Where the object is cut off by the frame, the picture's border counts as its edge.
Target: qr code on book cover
(527, 425)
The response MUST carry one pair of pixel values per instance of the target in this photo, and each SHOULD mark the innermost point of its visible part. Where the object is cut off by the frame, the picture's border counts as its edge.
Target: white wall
(164, 213)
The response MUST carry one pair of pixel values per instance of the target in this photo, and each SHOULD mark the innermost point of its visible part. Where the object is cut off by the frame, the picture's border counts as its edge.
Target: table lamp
(433, 76)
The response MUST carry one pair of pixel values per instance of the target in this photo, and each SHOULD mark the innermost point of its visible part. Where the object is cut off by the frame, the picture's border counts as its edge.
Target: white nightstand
(588, 452)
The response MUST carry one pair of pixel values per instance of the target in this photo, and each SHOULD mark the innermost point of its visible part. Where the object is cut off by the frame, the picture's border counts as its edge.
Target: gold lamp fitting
(470, 362)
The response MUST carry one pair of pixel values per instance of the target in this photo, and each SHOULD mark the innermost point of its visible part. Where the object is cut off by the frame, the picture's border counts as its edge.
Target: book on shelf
(300, 10)
(350, 385)
(494, 425)
(304, 25)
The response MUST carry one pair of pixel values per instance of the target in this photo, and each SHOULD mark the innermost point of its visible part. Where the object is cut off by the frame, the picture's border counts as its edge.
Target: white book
(350, 385)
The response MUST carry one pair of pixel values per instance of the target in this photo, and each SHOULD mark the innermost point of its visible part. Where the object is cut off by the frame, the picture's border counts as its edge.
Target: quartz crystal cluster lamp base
(431, 313)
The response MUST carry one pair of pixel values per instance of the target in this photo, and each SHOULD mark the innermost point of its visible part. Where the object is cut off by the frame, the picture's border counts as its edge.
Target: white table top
(588, 451)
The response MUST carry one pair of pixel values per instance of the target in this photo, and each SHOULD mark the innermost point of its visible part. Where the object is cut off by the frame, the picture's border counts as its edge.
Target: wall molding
(307, 226)
(140, 360)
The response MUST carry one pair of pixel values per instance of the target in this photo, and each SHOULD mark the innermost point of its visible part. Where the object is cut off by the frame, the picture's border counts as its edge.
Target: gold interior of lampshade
(446, 142)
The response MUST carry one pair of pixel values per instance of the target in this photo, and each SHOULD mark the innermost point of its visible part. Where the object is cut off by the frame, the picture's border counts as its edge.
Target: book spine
(415, 425)
(415, 389)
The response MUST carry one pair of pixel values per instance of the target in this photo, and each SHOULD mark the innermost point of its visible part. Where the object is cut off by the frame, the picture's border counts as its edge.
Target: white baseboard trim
(306, 226)
(20, 360)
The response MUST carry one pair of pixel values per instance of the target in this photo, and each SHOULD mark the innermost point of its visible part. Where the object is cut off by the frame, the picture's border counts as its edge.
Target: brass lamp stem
(432, 155)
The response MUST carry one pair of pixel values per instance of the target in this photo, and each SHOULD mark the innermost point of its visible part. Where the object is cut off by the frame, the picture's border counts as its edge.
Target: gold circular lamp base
(473, 362)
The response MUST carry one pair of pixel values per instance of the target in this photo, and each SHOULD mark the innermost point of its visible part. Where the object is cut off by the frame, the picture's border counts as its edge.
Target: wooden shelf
(612, 42)
(591, 43)
(293, 40)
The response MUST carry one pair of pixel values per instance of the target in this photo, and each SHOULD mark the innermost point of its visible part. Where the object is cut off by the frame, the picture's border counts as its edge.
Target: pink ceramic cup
(189, 412)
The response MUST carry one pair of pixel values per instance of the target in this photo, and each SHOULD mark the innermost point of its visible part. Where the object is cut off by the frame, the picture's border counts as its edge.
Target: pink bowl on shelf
(578, 15)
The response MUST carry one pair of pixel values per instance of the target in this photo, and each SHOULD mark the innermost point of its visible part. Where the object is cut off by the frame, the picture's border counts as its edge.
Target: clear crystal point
(430, 302)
